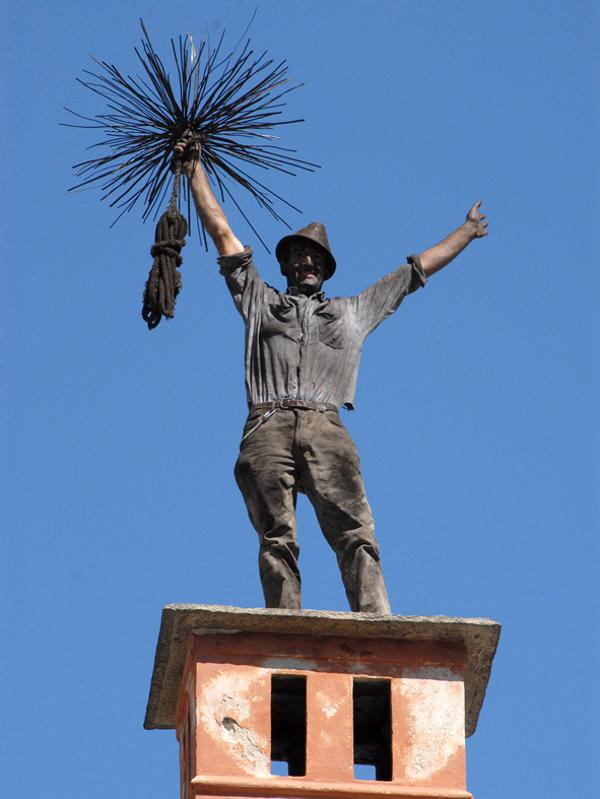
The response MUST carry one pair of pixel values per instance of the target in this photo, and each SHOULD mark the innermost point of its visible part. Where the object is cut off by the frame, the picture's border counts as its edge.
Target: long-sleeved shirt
(308, 348)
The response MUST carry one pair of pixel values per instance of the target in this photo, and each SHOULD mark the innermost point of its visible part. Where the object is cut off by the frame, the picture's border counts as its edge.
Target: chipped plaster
(223, 709)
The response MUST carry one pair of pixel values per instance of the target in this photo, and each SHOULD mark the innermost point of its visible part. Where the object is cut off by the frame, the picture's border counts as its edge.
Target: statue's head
(305, 258)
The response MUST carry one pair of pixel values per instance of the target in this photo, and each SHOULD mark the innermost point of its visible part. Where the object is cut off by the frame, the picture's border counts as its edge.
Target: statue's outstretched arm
(436, 257)
(210, 212)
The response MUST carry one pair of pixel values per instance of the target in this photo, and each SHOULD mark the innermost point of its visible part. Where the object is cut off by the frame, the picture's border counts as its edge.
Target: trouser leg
(266, 476)
(330, 472)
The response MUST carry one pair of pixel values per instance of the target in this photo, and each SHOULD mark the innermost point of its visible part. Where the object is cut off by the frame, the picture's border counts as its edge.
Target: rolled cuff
(418, 277)
(239, 260)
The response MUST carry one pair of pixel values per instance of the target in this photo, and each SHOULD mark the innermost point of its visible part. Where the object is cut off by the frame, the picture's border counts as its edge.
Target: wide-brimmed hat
(315, 232)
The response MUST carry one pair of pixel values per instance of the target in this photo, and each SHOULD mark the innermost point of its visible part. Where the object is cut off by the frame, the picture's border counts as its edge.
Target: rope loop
(171, 247)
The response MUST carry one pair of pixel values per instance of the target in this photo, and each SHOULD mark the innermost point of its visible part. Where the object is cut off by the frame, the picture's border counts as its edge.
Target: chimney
(278, 703)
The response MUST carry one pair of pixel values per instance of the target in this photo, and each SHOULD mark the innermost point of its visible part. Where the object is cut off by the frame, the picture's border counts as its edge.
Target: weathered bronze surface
(302, 356)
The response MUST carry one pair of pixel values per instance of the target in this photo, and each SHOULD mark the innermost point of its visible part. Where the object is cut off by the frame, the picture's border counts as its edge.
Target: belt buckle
(283, 404)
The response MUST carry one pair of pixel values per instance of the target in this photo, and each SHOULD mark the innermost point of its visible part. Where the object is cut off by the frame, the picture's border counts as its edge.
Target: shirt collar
(294, 291)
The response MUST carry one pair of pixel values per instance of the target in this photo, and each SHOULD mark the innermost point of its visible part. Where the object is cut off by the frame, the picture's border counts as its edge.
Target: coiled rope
(164, 281)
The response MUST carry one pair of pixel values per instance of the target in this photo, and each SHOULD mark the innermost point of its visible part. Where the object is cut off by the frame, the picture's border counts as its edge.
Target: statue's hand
(187, 150)
(475, 221)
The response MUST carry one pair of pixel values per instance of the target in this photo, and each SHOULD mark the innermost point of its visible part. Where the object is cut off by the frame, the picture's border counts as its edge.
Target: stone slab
(480, 637)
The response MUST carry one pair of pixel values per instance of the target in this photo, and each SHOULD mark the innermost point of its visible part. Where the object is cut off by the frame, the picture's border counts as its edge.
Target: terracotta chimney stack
(276, 703)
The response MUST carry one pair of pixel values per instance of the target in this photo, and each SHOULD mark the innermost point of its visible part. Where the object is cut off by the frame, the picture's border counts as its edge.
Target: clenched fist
(187, 150)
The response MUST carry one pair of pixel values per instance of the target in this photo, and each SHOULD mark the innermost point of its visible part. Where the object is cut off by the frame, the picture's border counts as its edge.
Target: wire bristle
(229, 101)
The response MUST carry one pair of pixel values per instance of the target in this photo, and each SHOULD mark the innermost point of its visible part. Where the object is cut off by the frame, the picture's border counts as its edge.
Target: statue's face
(305, 268)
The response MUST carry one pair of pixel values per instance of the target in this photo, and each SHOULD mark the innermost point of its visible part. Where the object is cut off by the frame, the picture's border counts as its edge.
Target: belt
(291, 403)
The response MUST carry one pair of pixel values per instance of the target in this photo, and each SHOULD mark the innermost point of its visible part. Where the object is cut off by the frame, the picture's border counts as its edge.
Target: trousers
(308, 451)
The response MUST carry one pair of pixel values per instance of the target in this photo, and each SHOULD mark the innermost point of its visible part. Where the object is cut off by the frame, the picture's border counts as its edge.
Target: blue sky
(476, 414)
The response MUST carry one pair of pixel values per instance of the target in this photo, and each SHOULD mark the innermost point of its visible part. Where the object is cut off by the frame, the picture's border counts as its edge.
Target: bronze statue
(302, 358)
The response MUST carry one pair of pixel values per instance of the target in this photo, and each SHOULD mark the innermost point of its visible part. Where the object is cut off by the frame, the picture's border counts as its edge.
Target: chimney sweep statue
(302, 357)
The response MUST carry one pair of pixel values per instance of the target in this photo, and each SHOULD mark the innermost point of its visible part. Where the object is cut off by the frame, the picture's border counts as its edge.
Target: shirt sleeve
(242, 280)
(380, 300)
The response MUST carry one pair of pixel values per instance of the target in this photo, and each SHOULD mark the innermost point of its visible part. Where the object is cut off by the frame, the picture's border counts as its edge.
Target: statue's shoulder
(340, 302)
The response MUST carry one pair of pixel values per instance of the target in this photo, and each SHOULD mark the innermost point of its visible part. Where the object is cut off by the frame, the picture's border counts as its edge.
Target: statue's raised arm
(209, 210)
(438, 256)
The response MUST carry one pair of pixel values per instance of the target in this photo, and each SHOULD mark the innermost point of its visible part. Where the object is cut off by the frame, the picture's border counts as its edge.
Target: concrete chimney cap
(479, 636)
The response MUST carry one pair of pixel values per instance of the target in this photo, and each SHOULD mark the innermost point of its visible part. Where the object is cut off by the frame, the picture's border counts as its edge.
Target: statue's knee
(357, 545)
(273, 547)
